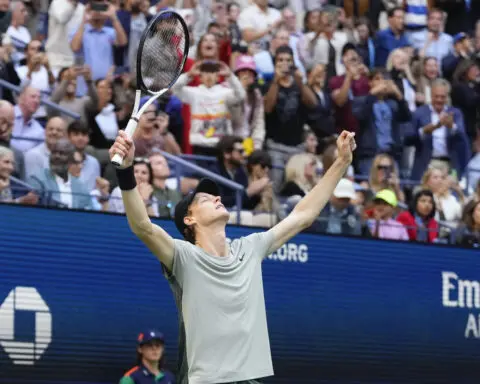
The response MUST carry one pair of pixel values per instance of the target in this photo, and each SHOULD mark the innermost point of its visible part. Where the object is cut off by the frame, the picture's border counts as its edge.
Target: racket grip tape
(117, 159)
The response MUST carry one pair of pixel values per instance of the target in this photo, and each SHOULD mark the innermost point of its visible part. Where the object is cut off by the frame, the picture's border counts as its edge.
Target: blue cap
(459, 37)
(150, 335)
(144, 99)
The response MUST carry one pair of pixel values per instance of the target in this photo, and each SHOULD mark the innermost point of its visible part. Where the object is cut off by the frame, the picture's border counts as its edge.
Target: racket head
(162, 52)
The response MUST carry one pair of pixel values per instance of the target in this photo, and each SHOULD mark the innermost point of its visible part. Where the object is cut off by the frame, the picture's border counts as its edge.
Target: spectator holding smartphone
(94, 40)
(384, 175)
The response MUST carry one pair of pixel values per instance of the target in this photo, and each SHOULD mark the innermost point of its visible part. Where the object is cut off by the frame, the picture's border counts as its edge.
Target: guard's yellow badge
(210, 132)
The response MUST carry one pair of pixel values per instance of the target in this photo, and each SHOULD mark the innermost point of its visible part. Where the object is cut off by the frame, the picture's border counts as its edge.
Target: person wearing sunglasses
(231, 160)
(384, 175)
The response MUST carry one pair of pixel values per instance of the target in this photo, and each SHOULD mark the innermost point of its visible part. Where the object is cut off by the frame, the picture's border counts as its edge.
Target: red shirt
(407, 219)
(344, 118)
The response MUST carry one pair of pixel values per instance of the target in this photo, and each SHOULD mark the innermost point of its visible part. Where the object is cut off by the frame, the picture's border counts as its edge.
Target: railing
(181, 163)
(43, 100)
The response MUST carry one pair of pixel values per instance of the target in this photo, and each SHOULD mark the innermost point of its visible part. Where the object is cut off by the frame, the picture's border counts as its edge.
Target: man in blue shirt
(432, 42)
(94, 40)
(150, 361)
(391, 38)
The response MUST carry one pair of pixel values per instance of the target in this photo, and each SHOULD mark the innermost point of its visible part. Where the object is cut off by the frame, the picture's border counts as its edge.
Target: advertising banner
(77, 287)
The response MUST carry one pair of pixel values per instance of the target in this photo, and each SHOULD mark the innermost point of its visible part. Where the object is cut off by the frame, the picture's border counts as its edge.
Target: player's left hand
(346, 145)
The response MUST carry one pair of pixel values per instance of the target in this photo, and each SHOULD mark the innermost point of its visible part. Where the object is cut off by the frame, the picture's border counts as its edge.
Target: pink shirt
(389, 229)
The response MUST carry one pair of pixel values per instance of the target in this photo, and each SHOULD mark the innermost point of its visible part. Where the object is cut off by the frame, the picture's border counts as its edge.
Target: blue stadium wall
(77, 287)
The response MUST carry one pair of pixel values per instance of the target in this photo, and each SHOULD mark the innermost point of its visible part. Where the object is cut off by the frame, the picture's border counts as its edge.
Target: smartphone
(98, 6)
(79, 61)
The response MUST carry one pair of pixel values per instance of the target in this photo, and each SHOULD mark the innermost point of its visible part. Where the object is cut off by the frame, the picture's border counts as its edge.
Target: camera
(98, 6)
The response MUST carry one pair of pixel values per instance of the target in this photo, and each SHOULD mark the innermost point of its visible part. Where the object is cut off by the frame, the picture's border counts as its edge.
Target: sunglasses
(137, 160)
(384, 167)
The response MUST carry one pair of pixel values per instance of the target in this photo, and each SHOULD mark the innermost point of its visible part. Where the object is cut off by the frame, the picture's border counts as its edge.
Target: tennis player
(220, 289)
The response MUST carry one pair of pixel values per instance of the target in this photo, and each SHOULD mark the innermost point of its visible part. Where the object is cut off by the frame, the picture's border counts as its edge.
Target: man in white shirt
(257, 22)
(27, 132)
(56, 186)
(36, 72)
(63, 16)
(17, 31)
(38, 158)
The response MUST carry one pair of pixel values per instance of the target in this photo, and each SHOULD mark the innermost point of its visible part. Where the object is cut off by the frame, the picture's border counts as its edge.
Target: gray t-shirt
(223, 310)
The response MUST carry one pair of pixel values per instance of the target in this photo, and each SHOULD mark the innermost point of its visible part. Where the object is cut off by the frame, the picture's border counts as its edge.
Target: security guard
(149, 368)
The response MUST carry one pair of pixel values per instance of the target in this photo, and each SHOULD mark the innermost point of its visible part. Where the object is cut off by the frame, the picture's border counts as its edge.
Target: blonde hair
(4, 151)
(295, 170)
(375, 184)
(408, 71)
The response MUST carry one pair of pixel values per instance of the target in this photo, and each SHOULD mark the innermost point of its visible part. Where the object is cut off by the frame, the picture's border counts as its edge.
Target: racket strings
(163, 53)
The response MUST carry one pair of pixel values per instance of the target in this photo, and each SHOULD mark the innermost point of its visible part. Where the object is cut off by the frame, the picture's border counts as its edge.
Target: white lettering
(447, 286)
(472, 328)
(303, 253)
(469, 290)
(296, 253)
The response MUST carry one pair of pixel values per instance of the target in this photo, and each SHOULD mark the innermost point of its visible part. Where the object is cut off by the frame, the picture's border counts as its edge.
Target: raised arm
(308, 209)
(155, 238)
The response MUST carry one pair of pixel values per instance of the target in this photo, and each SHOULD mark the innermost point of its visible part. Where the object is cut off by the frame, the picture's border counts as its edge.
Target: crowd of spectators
(266, 88)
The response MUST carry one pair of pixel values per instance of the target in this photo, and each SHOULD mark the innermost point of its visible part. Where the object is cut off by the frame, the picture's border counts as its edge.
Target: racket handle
(117, 159)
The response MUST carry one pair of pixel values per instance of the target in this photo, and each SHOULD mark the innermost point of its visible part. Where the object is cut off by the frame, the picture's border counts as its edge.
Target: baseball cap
(344, 190)
(150, 335)
(387, 196)
(459, 37)
(245, 62)
(181, 209)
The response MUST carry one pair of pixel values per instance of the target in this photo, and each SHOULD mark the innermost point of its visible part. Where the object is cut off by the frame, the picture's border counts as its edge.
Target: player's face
(152, 352)
(207, 209)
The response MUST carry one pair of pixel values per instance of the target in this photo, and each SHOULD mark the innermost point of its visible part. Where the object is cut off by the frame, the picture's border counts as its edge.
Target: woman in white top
(144, 178)
(449, 207)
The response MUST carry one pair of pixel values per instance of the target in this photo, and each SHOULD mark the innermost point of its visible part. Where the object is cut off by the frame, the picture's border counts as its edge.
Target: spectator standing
(398, 65)
(380, 218)
(433, 42)
(150, 361)
(36, 73)
(339, 216)
(166, 197)
(231, 166)
(248, 118)
(7, 117)
(462, 50)
(257, 22)
(17, 31)
(101, 117)
(7, 70)
(295, 36)
(94, 41)
(64, 16)
(429, 73)
(420, 218)
(438, 133)
(5, 16)
(264, 60)
(473, 167)
(391, 38)
(286, 103)
(65, 93)
(320, 118)
(344, 88)
(379, 115)
(209, 104)
(468, 234)
(56, 185)
(365, 44)
(238, 45)
(27, 131)
(38, 158)
(466, 96)
(78, 134)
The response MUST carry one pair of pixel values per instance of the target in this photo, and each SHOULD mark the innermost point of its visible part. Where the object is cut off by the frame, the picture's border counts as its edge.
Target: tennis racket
(161, 56)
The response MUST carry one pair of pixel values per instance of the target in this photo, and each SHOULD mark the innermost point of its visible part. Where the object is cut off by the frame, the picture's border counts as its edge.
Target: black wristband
(126, 179)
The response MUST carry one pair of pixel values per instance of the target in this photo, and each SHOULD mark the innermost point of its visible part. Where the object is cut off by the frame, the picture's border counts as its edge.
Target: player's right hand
(124, 146)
